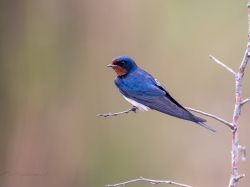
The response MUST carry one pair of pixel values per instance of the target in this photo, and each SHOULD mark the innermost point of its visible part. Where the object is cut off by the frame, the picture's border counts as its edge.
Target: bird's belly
(138, 105)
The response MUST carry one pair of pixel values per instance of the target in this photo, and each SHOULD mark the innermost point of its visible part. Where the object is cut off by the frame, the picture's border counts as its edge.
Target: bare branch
(245, 101)
(223, 65)
(153, 182)
(237, 110)
(212, 116)
(118, 113)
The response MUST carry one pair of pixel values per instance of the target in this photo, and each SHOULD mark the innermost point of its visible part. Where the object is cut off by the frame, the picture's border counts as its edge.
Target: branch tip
(223, 65)
(239, 177)
(245, 101)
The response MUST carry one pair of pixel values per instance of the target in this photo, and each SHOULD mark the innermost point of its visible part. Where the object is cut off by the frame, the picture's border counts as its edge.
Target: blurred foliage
(54, 82)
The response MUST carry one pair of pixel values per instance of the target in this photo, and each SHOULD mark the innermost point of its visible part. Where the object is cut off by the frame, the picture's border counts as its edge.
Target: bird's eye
(122, 62)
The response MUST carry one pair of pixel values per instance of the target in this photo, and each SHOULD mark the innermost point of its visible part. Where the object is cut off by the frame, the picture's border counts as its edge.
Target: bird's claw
(134, 108)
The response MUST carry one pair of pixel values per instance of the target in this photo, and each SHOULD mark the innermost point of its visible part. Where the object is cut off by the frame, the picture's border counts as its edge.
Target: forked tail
(206, 126)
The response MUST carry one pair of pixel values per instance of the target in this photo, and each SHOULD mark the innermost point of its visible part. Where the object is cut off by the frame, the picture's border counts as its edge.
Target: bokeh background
(54, 82)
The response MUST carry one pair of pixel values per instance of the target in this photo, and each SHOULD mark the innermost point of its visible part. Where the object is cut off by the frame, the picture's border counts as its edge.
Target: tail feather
(206, 126)
(200, 119)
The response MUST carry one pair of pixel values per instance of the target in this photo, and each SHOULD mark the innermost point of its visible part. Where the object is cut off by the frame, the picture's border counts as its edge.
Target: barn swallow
(144, 92)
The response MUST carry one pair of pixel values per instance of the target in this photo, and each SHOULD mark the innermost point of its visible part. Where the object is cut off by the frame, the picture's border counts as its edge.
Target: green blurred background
(54, 82)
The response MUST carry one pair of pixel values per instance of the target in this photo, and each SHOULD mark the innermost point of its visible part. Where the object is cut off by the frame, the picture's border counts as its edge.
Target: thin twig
(153, 182)
(245, 101)
(239, 177)
(118, 113)
(223, 65)
(212, 116)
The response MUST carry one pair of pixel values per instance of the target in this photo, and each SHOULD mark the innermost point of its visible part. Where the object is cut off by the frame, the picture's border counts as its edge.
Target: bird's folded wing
(156, 99)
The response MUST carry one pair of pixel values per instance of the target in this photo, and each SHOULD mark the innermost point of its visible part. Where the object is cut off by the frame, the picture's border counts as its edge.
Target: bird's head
(123, 65)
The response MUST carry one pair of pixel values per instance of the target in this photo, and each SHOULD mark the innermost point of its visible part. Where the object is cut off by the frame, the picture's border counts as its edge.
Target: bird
(146, 93)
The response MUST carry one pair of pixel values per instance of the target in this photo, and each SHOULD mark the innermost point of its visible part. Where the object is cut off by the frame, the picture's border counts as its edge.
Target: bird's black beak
(111, 65)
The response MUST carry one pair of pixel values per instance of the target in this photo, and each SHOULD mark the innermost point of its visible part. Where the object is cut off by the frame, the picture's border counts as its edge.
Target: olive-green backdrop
(54, 82)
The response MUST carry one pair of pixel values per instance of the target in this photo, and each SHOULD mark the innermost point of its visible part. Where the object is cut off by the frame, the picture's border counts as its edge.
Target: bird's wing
(160, 86)
(155, 96)
(197, 119)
